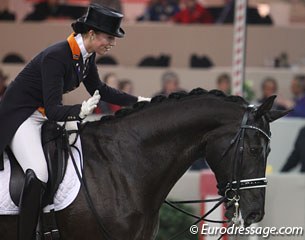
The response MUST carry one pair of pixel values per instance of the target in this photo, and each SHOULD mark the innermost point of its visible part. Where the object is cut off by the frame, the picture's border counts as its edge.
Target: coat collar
(79, 39)
(74, 47)
(76, 57)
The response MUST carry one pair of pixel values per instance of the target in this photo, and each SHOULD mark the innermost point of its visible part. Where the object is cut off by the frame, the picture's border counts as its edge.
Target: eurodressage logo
(264, 232)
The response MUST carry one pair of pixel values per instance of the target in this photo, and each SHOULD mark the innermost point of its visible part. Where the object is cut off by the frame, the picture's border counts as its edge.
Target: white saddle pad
(64, 196)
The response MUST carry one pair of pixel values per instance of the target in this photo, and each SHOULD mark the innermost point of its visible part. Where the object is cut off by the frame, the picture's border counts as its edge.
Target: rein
(82, 179)
(230, 190)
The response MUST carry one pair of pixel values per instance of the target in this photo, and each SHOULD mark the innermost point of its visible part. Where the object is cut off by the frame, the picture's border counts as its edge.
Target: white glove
(141, 99)
(89, 105)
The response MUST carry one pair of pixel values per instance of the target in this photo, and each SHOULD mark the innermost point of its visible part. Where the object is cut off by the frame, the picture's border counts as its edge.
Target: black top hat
(102, 18)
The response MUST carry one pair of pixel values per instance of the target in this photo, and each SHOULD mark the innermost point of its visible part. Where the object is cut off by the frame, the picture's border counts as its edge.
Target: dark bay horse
(133, 160)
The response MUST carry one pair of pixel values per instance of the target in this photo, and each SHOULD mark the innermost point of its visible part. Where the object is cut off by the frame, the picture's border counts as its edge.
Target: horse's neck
(171, 137)
(144, 154)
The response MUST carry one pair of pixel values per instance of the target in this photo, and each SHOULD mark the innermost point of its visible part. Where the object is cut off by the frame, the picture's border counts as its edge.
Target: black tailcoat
(42, 83)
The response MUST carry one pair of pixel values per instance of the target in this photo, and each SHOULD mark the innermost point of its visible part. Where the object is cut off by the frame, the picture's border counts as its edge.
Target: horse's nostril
(253, 216)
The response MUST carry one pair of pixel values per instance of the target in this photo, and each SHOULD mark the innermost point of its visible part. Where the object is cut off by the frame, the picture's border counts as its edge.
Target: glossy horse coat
(132, 160)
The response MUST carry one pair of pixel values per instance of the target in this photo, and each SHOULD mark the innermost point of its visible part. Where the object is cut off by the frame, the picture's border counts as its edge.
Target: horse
(133, 159)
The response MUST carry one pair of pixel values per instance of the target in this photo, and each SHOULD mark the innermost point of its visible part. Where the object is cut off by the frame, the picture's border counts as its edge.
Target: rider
(36, 95)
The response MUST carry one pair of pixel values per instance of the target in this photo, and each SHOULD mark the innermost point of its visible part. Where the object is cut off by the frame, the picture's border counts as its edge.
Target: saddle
(55, 145)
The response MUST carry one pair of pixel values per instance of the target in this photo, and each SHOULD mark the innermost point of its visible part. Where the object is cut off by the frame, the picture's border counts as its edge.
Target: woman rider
(36, 95)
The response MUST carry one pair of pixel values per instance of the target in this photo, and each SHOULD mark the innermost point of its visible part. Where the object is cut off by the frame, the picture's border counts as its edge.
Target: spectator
(224, 83)
(3, 87)
(269, 87)
(160, 10)
(170, 83)
(126, 86)
(254, 15)
(111, 80)
(298, 91)
(298, 154)
(107, 108)
(46, 10)
(192, 12)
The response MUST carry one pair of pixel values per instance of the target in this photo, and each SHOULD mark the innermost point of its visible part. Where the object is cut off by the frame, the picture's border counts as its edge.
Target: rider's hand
(141, 99)
(89, 105)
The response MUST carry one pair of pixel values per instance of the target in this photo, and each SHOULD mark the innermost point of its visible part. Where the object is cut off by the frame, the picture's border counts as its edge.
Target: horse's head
(237, 153)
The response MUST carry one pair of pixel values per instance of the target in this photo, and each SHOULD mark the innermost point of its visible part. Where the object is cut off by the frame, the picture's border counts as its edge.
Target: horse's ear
(265, 107)
(276, 114)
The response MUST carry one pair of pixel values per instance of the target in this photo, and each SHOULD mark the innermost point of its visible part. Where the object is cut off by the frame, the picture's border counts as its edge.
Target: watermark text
(264, 232)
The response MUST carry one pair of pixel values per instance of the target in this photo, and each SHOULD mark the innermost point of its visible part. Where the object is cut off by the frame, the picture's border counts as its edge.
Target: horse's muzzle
(253, 217)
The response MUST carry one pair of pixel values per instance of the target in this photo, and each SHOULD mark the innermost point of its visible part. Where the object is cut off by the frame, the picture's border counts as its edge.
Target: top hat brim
(81, 22)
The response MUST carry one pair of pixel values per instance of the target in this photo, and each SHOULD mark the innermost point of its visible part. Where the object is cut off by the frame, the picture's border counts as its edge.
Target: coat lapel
(78, 68)
(91, 61)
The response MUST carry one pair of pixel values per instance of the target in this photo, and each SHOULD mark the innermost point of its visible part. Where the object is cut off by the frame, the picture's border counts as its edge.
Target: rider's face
(100, 42)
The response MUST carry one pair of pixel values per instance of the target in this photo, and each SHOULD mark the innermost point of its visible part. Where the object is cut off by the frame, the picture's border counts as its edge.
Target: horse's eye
(254, 151)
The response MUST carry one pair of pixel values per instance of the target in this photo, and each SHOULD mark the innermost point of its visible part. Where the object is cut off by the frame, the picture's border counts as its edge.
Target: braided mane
(177, 95)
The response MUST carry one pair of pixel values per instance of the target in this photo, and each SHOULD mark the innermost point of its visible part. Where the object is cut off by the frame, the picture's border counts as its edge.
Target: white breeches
(27, 148)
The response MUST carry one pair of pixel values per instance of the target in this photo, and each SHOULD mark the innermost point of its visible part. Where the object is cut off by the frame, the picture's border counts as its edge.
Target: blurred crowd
(170, 83)
(192, 11)
(178, 11)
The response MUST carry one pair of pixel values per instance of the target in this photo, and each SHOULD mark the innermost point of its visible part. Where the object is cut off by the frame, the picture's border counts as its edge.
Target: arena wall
(215, 41)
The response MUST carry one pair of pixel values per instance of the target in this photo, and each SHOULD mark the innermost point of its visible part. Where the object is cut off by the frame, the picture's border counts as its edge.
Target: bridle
(230, 190)
(236, 183)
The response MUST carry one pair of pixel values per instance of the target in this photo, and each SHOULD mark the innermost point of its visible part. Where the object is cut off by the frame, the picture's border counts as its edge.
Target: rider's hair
(83, 28)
